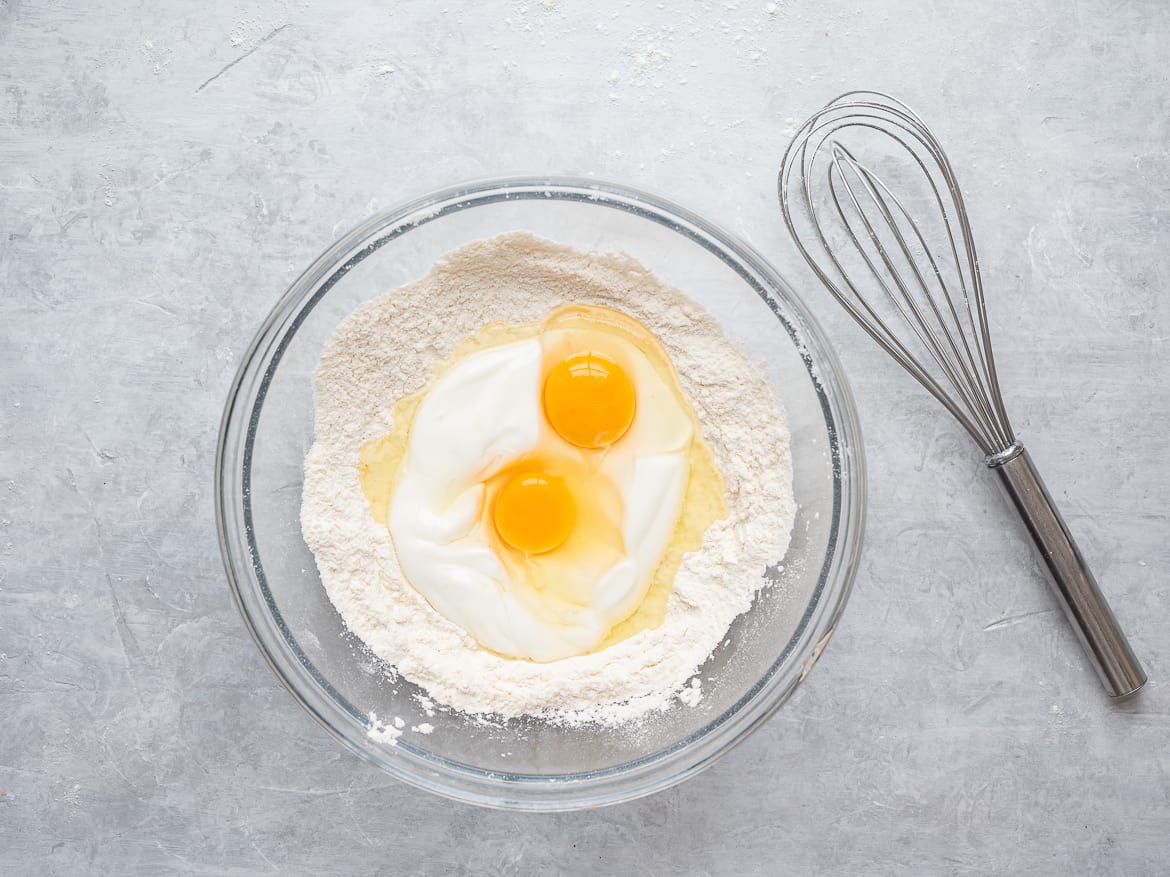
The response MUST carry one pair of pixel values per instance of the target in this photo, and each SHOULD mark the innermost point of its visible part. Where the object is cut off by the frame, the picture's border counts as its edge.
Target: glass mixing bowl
(528, 764)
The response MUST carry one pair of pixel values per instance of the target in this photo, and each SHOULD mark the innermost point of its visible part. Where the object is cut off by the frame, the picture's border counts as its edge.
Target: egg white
(480, 416)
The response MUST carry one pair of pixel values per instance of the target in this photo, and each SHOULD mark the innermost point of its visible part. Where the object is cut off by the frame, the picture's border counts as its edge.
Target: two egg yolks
(589, 401)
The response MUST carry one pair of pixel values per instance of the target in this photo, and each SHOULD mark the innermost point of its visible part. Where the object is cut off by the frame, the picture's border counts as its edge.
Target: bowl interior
(269, 428)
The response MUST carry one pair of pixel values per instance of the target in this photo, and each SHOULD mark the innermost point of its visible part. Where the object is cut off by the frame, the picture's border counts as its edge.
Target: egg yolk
(534, 512)
(589, 400)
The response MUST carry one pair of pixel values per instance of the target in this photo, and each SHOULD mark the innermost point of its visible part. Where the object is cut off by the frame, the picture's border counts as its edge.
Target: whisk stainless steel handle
(860, 238)
(1075, 586)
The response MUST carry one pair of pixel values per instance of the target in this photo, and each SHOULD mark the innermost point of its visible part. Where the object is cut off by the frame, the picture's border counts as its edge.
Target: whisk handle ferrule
(1077, 590)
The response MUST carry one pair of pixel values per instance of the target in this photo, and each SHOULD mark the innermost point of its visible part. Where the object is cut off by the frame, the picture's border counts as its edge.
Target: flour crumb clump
(381, 732)
(387, 349)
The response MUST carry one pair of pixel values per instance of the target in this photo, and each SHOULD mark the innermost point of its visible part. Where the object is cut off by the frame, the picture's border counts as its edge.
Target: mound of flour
(387, 348)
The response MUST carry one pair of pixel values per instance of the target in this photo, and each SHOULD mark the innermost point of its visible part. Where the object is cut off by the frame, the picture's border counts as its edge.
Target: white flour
(386, 349)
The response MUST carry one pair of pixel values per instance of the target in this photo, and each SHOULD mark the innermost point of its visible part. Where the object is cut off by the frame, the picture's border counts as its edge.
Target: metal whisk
(904, 266)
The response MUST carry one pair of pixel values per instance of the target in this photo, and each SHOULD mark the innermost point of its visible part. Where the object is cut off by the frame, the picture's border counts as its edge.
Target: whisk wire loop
(935, 292)
(952, 352)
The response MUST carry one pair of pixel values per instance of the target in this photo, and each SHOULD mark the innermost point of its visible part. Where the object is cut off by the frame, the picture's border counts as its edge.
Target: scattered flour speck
(381, 732)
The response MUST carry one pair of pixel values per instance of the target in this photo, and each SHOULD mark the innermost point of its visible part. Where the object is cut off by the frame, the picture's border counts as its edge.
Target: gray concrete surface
(167, 169)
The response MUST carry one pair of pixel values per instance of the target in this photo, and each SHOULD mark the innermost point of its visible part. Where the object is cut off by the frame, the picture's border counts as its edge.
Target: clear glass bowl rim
(461, 782)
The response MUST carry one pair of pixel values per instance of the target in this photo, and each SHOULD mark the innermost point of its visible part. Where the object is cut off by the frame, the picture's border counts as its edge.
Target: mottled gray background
(167, 169)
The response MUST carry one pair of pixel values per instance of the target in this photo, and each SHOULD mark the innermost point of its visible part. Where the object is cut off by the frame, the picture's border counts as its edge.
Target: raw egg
(542, 490)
